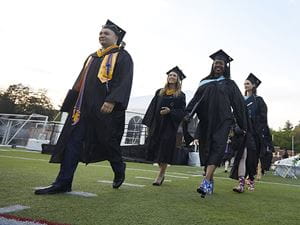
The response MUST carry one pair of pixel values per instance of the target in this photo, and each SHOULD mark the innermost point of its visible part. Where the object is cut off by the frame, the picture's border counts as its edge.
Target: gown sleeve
(238, 106)
(194, 101)
(120, 89)
(150, 112)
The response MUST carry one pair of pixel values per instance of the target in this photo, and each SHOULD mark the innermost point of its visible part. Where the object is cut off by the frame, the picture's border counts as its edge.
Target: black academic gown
(258, 140)
(161, 141)
(257, 110)
(216, 101)
(103, 131)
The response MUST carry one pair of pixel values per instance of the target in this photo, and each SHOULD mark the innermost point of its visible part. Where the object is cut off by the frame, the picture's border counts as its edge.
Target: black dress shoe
(53, 189)
(119, 178)
(159, 183)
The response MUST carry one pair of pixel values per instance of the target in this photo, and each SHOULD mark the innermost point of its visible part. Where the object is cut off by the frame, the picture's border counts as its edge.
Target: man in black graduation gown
(96, 105)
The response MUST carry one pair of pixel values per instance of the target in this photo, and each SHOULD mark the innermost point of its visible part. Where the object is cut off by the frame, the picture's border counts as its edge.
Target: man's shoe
(119, 178)
(53, 189)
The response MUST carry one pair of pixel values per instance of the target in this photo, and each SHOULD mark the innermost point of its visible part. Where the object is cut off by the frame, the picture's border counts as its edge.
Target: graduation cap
(254, 80)
(221, 55)
(178, 72)
(116, 29)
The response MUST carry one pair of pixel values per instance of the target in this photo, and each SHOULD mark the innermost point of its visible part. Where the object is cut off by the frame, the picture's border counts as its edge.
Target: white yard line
(149, 178)
(81, 193)
(22, 158)
(13, 150)
(77, 193)
(144, 170)
(13, 208)
(263, 182)
(126, 184)
(168, 175)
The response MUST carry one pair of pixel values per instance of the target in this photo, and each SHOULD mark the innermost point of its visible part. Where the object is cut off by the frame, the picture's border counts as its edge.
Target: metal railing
(22, 130)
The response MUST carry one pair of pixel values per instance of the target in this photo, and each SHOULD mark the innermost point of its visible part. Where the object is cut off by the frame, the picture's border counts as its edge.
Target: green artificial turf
(275, 200)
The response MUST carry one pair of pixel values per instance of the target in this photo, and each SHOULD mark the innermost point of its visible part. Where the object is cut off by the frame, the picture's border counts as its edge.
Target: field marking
(132, 169)
(126, 184)
(82, 193)
(266, 182)
(263, 182)
(144, 170)
(16, 220)
(149, 178)
(23, 158)
(168, 175)
(13, 150)
(13, 208)
(183, 174)
(77, 193)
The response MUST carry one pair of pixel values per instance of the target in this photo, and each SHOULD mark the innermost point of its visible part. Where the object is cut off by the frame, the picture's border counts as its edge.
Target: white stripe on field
(5, 221)
(167, 175)
(182, 174)
(77, 193)
(23, 158)
(13, 150)
(263, 182)
(135, 169)
(81, 193)
(126, 184)
(149, 178)
(13, 208)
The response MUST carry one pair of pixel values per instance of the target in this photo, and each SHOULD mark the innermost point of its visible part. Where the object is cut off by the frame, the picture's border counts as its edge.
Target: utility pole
(293, 145)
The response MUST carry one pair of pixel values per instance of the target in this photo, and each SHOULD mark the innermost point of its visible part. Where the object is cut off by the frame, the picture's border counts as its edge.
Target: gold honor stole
(106, 70)
(105, 74)
(170, 91)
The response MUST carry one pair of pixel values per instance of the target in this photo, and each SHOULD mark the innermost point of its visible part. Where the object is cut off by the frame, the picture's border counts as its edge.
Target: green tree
(20, 99)
(283, 137)
(288, 126)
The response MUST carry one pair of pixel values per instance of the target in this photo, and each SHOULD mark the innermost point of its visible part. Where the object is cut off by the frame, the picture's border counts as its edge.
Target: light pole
(292, 145)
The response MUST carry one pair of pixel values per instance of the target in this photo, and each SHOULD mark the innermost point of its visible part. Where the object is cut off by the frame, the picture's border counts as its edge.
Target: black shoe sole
(202, 192)
(237, 191)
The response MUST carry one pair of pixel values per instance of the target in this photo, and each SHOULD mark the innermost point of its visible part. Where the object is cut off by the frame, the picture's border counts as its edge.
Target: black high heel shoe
(159, 183)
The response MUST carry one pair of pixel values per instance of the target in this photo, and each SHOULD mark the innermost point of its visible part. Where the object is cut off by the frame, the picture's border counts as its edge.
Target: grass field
(275, 200)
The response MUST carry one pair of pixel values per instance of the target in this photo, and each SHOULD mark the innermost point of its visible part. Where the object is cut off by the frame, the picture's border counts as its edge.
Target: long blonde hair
(177, 88)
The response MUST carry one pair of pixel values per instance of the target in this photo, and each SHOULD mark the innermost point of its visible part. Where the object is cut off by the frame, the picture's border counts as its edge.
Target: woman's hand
(164, 111)
(196, 142)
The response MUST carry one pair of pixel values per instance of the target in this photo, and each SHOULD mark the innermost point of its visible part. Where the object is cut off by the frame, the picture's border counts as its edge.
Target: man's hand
(164, 110)
(107, 107)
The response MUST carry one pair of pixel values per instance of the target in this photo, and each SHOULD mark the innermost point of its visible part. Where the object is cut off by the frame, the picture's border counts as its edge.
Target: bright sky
(44, 43)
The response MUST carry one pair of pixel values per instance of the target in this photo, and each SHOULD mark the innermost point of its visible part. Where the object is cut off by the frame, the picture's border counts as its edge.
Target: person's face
(219, 67)
(248, 85)
(107, 37)
(172, 78)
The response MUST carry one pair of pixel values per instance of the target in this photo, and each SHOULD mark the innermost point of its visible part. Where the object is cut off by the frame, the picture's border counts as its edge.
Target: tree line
(283, 137)
(19, 99)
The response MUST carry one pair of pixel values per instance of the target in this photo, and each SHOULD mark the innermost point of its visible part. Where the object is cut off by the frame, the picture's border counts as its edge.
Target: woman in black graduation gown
(163, 117)
(258, 138)
(213, 102)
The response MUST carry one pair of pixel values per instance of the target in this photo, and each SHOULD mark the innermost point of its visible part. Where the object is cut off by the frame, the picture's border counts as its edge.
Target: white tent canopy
(289, 167)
